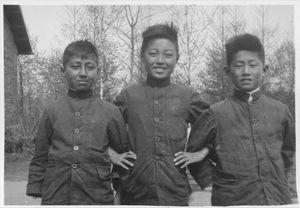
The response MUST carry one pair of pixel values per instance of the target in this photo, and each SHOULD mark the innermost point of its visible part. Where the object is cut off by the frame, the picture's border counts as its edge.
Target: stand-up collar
(158, 83)
(247, 96)
(80, 94)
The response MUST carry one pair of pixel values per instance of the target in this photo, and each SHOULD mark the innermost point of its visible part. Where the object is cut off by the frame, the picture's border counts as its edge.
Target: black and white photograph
(170, 103)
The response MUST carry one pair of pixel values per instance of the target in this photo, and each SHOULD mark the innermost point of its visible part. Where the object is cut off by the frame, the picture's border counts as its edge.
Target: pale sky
(44, 22)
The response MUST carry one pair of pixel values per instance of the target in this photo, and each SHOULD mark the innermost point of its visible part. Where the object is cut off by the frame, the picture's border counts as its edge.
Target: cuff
(34, 190)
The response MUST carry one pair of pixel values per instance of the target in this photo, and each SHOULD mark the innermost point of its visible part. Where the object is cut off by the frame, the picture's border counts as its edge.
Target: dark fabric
(254, 146)
(71, 163)
(157, 115)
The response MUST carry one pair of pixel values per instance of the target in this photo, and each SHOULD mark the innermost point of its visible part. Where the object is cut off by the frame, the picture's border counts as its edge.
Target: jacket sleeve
(117, 133)
(288, 147)
(37, 167)
(118, 141)
(197, 106)
(202, 135)
(121, 102)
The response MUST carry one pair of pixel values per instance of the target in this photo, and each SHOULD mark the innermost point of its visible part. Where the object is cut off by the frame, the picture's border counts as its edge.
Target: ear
(226, 69)
(266, 68)
(177, 58)
(62, 69)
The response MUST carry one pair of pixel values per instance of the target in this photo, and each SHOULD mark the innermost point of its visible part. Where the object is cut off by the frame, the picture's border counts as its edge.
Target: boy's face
(160, 58)
(81, 71)
(246, 70)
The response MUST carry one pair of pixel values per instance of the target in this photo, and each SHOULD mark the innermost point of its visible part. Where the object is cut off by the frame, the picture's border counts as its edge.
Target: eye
(75, 66)
(90, 67)
(169, 55)
(238, 65)
(153, 54)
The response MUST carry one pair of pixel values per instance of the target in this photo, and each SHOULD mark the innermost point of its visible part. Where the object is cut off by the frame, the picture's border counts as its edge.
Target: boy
(157, 114)
(253, 135)
(71, 164)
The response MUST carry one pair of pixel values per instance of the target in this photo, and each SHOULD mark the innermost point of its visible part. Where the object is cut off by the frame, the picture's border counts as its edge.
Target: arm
(117, 133)
(118, 151)
(288, 147)
(121, 102)
(38, 163)
(203, 133)
(125, 160)
(196, 107)
(187, 158)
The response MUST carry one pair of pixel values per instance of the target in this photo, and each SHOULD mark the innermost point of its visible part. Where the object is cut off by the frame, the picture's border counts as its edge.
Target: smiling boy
(157, 113)
(253, 135)
(71, 164)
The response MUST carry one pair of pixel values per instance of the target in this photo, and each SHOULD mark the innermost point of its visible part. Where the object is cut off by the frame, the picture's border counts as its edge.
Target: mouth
(159, 69)
(246, 80)
(82, 82)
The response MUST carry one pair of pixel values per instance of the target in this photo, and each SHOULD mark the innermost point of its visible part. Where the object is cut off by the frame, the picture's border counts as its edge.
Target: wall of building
(10, 76)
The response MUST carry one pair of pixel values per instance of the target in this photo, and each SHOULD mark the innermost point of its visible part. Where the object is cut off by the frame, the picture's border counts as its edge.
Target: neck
(253, 91)
(158, 82)
(80, 94)
(247, 96)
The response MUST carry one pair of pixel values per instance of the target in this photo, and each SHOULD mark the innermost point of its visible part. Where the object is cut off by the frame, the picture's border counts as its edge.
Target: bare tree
(226, 24)
(266, 29)
(73, 22)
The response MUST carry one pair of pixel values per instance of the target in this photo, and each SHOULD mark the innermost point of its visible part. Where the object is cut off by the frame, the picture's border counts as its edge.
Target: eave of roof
(16, 22)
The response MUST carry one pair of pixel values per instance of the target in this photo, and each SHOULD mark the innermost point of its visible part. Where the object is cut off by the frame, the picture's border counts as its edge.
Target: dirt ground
(15, 180)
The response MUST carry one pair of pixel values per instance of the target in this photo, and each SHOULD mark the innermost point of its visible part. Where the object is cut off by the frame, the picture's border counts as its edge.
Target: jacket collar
(80, 94)
(247, 96)
(158, 83)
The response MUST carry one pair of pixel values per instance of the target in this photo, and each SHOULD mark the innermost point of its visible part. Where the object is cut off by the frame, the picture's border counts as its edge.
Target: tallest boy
(157, 113)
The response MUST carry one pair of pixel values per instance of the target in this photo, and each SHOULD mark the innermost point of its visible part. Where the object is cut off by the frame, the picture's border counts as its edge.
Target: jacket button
(76, 131)
(156, 119)
(75, 147)
(74, 166)
(254, 121)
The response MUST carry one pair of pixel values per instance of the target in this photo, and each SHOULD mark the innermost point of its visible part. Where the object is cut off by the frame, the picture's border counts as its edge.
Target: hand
(186, 158)
(124, 160)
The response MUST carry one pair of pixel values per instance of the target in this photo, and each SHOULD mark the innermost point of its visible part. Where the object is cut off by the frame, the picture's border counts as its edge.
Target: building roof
(16, 22)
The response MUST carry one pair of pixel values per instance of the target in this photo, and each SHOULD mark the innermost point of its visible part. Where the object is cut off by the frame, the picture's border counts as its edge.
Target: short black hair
(168, 31)
(79, 46)
(247, 42)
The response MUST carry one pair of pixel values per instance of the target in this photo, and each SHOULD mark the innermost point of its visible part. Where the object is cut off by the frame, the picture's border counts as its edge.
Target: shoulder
(54, 105)
(274, 105)
(273, 102)
(184, 90)
(106, 106)
(220, 104)
(133, 87)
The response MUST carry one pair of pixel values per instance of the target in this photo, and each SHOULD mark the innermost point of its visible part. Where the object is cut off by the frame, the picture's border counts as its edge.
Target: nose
(83, 72)
(246, 69)
(160, 59)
